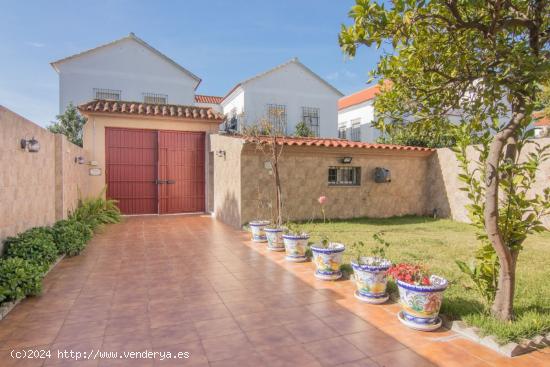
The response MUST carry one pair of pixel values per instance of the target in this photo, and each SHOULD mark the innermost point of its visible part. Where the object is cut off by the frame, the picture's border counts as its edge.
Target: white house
(286, 95)
(356, 114)
(127, 69)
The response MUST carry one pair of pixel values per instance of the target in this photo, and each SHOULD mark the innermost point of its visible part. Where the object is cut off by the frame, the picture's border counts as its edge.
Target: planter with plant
(327, 257)
(296, 243)
(274, 236)
(370, 272)
(420, 296)
(257, 228)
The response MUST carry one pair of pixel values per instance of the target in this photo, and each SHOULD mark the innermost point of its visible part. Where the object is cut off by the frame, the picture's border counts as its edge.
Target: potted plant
(327, 257)
(257, 228)
(274, 235)
(295, 242)
(370, 271)
(420, 296)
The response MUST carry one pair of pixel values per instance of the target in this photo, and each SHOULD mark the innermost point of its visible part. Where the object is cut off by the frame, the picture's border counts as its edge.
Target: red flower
(409, 273)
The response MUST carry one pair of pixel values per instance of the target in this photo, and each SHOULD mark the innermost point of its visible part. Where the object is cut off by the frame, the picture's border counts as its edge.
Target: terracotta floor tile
(276, 336)
(311, 330)
(250, 359)
(258, 320)
(127, 325)
(289, 356)
(245, 307)
(347, 323)
(217, 327)
(61, 352)
(334, 351)
(403, 357)
(374, 342)
(81, 331)
(173, 335)
(226, 347)
(365, 362)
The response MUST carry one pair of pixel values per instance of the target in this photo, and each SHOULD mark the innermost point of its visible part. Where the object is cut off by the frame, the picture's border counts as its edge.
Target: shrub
(96, 211)
(19, 278)
(36, 245)
(71, 236)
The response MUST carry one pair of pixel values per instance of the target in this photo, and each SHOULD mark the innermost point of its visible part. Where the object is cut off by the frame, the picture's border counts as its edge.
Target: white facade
(292, 88)
(127, 69)
(359, 116)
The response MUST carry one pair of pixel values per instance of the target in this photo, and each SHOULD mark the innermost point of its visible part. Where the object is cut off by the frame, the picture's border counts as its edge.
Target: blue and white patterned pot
(295, 247)
(371, 280)
(420, 304)
(328, 260)
(274, 239)
(257, 227)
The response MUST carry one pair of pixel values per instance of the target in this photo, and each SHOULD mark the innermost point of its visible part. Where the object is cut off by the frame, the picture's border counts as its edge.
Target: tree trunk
(502, 307)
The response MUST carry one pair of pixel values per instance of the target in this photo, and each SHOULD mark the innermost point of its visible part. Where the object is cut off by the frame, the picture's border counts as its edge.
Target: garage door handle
(170, 182)
(160, 182)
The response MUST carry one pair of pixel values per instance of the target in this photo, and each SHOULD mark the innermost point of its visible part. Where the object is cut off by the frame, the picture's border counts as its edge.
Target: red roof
(334, 143)
(358, 97)
(541, 120)
(150, 109)
(208, 99)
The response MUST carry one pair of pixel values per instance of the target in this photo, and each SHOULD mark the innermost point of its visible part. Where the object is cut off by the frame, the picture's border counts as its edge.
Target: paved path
(192, 284)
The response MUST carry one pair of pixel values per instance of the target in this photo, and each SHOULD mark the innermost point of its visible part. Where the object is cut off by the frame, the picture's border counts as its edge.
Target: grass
(437, 244)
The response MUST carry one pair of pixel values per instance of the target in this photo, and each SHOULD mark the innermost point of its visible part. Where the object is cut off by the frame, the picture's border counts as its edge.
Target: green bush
(71, 236)
(96, 211)
(36, 245)
(19, 278)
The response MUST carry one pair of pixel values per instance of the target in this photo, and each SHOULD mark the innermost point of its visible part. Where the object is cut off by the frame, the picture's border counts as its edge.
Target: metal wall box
(382, 175)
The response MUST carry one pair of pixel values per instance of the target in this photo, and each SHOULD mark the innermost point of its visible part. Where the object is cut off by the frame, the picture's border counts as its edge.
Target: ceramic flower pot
(295, 247)
(420, 304)
(257, 227)
(274, 239)
(371, 279)
(328, 260)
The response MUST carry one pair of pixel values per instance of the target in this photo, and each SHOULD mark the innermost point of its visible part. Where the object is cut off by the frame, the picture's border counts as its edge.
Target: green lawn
(437, 244)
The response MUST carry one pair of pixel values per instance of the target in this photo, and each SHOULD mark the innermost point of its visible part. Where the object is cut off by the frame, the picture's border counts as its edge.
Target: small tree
(269, 141)
(302, 130)
(483, 58)
(70, 124)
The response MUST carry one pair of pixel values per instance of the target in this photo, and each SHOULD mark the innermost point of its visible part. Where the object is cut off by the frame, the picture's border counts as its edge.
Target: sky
(221, 41)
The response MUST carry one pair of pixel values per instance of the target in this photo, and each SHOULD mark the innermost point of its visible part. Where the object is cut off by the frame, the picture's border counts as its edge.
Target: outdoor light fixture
(346, 160)
(220, 153)
(31, 145)
(79, 159)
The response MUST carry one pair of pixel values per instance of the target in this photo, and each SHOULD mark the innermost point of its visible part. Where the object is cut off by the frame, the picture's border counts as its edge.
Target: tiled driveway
(191, 284)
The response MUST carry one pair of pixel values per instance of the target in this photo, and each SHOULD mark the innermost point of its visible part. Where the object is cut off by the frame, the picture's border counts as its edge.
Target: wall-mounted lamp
(31, 145)
(79, 159)
(220, 153)
(346, 160)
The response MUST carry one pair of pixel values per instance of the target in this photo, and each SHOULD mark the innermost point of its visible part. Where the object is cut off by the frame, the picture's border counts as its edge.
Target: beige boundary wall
(421, 183)
(36, 189)
(444, 189)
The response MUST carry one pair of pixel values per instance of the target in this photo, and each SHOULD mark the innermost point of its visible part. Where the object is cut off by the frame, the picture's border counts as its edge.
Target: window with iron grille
(355, 130)
(344, 176)
(276, 115)
(109, 94)
(342, 131)
(155, 98)
(310, 116)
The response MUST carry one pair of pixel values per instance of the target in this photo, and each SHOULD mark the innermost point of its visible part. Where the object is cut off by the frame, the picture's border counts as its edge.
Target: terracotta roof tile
(149, 109)
(335, 143)
(362, 96)
(208, 99)
(541, 120)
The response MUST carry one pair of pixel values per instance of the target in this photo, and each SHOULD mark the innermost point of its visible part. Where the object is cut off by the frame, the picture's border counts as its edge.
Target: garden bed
(438, 243)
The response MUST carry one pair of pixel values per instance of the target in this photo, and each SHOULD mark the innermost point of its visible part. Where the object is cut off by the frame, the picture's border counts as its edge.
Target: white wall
(293, 87)
(214, 106)
(127, 66)
(365, 112)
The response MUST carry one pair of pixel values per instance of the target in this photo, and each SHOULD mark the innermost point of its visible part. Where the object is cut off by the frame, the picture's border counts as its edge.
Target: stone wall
(36, 189)
(444, 190)
(248, 192)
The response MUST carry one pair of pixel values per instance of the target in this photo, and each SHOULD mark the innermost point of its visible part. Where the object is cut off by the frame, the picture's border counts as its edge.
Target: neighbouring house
(209, 101)
(127, 69)
(356, 115)
(285, 95)
(153, 158)
(541, 125)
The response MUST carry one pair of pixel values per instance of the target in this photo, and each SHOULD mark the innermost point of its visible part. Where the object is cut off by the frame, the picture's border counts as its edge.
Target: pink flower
(322, 199)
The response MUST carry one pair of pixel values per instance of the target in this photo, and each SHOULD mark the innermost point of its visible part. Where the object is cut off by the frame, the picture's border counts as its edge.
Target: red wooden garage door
(151, 171)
